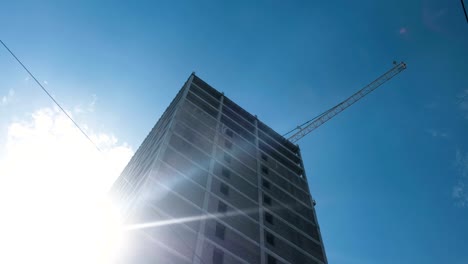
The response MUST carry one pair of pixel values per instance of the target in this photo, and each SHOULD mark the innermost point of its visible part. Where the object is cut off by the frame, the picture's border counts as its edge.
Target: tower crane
(304, 129)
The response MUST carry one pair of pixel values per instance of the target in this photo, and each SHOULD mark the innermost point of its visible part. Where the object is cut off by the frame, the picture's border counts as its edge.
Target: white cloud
(51, 177)
(6, 99)
(87, 109)
(463, 102)
(437, 133)
(92, 104)
(431, 105)
(432, 18)
(460, 191)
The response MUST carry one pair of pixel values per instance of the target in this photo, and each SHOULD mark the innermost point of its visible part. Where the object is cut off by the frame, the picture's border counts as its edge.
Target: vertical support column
(200, 236)
(260, 197)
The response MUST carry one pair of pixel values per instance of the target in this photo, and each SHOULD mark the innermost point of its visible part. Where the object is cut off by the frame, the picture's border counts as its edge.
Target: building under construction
(213, 184)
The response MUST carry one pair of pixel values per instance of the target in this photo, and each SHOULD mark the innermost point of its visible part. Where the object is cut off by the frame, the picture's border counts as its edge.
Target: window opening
(271, 259)
(268, 218)
(222, 207)
(220, 231)
(228, 144)
(270, 239)
(227, 158)
(226, 172)
(266, 199)
(229, 133)
(266, 184)
(218, 256)
(224, 189)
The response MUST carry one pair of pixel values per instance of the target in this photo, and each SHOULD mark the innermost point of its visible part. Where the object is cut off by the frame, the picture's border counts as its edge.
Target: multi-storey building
(213, 184)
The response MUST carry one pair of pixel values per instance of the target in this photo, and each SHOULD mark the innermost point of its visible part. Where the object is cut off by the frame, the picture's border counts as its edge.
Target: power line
(50, 96)
(464, 10)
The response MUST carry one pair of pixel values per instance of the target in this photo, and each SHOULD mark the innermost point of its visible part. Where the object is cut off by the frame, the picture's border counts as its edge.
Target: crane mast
(311, 125)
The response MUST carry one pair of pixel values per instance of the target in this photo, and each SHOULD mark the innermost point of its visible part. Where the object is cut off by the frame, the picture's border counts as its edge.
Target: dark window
(270, 239)
(271, 259)
(264, 157)
(225, 172)
(224, 189)
(229, 133)
(265, 170)
(218, 256)
(266, 199)
(227, 158)
(222, 207)
(266, 184)
(268, 217)
(220, 230)
(228, 144)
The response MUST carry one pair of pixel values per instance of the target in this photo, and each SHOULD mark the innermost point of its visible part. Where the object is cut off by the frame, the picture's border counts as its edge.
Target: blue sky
(390, 174)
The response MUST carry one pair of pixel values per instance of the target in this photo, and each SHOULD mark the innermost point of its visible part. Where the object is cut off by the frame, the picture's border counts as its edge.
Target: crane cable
(311, 120)
(315, 118)
(50, 96)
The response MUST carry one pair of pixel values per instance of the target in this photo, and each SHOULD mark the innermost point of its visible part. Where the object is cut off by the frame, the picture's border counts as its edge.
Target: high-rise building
(213, 184)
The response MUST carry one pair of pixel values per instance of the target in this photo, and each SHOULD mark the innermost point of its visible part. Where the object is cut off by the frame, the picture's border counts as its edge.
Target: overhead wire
(464, 10)
(50, 96)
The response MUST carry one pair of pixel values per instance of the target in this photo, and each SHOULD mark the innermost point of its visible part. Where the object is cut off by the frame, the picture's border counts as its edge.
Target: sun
(53, 186)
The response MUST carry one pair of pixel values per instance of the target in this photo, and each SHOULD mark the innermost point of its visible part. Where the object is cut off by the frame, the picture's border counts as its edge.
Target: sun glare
(61, 231)
(52, 193)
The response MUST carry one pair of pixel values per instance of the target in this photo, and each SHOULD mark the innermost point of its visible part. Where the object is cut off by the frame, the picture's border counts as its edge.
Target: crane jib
(332, 112)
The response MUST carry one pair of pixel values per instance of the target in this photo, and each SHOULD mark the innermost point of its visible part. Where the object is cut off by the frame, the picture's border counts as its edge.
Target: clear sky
(390, 174)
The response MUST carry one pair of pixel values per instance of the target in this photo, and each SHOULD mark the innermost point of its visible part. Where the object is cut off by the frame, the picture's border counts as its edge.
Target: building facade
(213, 184)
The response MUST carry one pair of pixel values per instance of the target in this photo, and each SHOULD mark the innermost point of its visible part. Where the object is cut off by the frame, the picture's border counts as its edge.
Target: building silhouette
(213, 184)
